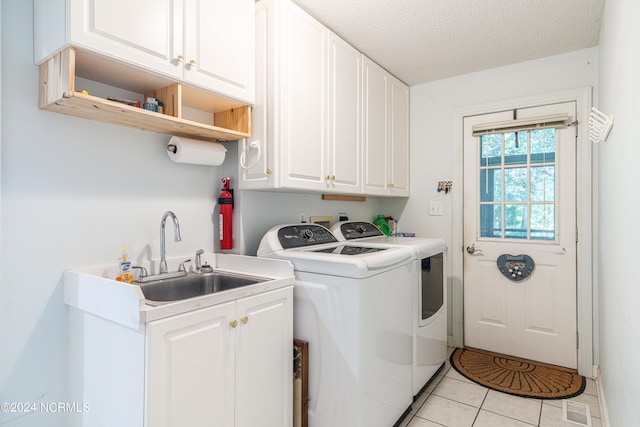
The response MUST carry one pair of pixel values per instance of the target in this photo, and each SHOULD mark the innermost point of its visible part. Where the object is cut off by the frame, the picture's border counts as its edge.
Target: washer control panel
(296, 236)
(359, 229)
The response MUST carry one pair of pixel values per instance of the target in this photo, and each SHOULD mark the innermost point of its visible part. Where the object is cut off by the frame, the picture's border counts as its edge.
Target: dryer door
(431, 287)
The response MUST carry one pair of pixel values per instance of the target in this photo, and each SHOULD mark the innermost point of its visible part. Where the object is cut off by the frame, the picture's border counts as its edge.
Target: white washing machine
(430, 293)
(354, 306)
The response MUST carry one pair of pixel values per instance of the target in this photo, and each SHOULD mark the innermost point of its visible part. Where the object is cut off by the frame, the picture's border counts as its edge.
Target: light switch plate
(435, 208)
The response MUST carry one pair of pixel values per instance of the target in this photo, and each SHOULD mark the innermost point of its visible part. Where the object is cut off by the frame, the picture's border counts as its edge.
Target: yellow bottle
(125, 268)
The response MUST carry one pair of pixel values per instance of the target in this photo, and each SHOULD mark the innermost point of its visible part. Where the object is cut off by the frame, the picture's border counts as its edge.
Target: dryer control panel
(296, 236)
(359, 230)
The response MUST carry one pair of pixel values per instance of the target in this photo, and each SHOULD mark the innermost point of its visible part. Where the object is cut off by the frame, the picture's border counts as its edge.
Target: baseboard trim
(603, 402)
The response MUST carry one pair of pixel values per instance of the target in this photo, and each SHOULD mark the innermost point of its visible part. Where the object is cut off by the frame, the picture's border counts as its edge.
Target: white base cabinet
(225, 365)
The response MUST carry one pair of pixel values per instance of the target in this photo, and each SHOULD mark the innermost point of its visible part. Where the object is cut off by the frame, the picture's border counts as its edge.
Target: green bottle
(382, 225)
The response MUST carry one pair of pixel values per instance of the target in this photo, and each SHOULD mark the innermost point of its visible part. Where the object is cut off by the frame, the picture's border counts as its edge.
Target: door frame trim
(585, 213)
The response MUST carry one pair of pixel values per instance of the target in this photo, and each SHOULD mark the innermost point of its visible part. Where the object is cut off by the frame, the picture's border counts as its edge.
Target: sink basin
(194, 285)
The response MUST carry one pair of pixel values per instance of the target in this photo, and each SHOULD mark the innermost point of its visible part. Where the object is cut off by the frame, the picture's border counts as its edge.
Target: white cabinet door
(344, 136)
(219, 46)
(147, 33)
(376, 131)
(301, 117)
(264, 360)
(386, 133)
(191, 369)
(398, 138)
(256, 164)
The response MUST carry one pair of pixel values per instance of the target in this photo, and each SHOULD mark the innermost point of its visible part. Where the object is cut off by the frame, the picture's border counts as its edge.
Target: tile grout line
(540, 413)
(480, 408)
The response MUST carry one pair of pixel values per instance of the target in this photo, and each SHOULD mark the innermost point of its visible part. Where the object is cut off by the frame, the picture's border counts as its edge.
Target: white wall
(432, 130)
(74, 191)
(619, 94)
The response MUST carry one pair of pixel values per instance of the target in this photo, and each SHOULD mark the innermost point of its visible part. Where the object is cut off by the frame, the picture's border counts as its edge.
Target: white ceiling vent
(576, 413)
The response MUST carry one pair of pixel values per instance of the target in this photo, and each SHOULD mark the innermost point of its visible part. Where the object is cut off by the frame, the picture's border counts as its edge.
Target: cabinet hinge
(576, 234)
(577, 339)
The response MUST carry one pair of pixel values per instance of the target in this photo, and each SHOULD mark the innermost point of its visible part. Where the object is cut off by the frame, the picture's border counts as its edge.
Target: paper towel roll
(186, 150)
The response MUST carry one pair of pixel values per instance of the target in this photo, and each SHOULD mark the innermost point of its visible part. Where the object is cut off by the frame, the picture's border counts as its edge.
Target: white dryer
(429, 293)
(353, 305)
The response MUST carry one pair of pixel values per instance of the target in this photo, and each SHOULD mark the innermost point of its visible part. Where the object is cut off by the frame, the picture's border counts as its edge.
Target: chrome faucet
(176, 238)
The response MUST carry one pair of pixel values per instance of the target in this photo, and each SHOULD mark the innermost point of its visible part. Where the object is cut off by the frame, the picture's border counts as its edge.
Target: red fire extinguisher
(225, 201)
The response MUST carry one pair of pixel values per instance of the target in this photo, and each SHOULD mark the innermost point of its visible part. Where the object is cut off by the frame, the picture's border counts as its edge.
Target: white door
(519, 199)
(264, 360)
(191, 369)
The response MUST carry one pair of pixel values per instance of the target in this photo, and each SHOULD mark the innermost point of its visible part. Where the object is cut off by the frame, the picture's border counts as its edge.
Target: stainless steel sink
(194, 285)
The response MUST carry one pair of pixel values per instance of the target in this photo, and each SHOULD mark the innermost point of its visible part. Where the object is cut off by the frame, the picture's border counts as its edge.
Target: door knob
(472, 249)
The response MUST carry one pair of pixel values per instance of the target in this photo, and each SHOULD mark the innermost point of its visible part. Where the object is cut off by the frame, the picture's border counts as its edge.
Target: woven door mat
(517, 376)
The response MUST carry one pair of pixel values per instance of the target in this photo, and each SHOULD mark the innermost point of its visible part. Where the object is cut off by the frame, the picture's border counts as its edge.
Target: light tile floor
(451, 400)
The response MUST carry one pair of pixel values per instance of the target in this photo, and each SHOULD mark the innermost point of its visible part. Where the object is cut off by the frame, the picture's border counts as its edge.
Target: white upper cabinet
(344, 117)
(300, 98)
(326, 119)
(398, 138)
(308, 103)
(219, 46)
(376, 128)
(207, 43)
(386, 133)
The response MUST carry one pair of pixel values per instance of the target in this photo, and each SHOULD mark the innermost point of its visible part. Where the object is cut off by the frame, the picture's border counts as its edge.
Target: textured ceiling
(425, 40)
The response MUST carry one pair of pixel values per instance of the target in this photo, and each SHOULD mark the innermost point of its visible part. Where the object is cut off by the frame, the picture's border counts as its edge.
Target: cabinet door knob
(390, 185)
(192, 63)
(333, 177)
(233, 323)
(268, 171)
(244, 320)
(180, 58)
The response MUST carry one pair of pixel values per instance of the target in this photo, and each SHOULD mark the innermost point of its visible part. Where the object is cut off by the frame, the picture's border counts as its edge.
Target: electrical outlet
(302, 216)
(435, 209)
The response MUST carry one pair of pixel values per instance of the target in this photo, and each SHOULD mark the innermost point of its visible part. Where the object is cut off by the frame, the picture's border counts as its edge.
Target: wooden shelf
(57, 93)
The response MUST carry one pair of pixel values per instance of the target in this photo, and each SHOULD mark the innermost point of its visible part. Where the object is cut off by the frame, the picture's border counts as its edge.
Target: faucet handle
(143, 271)
(181, 267)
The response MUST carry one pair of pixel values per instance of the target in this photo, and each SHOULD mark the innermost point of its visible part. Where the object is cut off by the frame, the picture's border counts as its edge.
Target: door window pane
(491, 185)
(491, 222)
(515, 184)
(543, 146)
(518, 185)
(491, 150)
(516, 221)
(543, 221)
(543, 186)
(515, 148)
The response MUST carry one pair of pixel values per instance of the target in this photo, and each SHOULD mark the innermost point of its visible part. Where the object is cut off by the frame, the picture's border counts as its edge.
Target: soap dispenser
(125, 268)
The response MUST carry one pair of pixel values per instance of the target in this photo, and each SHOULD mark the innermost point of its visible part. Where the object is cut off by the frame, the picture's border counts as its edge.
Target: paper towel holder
(172, 148)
